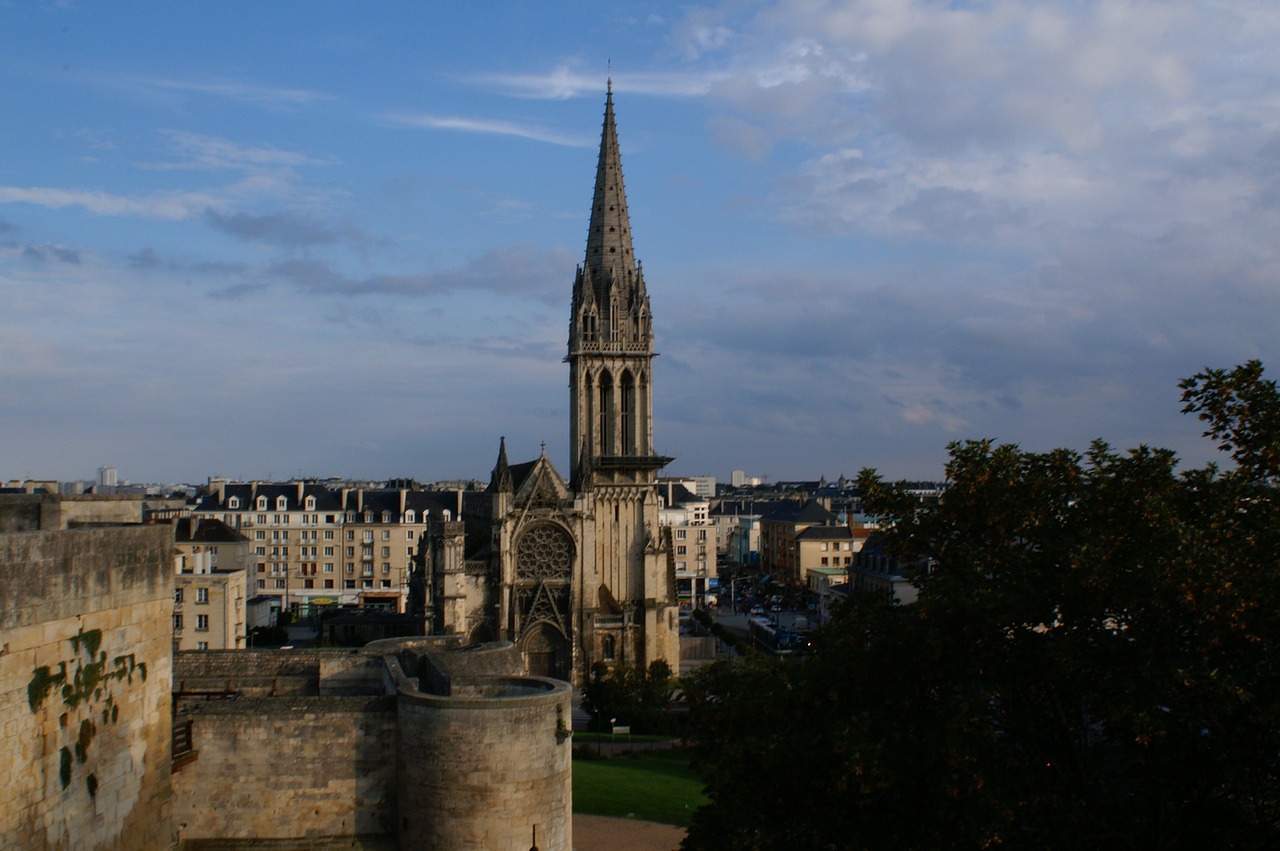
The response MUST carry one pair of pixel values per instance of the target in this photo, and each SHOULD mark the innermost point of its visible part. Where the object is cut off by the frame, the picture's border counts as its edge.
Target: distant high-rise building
(107, 477)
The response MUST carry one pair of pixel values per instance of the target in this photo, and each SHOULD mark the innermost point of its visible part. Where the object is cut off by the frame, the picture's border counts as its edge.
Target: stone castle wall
(289, 768)
(85, 648)
(47, 512)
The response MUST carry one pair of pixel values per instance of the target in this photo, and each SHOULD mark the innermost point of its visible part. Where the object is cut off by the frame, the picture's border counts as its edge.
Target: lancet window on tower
(606, 414)
(628, 414)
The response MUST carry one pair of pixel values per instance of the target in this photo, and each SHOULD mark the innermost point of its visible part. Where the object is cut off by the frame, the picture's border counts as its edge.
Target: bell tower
(610, 341)
(627, 611)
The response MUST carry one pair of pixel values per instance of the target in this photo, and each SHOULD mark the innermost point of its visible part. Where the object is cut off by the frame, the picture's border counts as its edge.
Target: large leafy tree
(1091, 662)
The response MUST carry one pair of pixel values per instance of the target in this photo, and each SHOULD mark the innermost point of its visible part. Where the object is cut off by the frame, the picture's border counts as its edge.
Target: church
(580, 571)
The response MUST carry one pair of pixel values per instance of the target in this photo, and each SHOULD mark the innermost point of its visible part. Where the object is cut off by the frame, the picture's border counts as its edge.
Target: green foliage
(87, 732)
(638, 699)
(1091, 663)
(42, 682)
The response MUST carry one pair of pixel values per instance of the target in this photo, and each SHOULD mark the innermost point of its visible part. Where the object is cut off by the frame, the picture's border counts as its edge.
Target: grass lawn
(651, 785)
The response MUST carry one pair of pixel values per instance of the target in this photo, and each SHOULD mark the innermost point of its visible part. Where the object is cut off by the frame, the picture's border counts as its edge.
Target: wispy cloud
(521, 270)
(196, 151)
(245, 92)
(494, 126)
(45, 253)
(161, 205)
(563, 82)
(283, 228)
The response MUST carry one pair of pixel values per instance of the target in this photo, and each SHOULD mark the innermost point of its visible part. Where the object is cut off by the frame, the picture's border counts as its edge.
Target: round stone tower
(484, 757)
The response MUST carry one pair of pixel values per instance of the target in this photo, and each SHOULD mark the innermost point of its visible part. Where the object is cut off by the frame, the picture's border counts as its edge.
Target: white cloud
(252, 93)
(493, 126)
(161, 205)
(197, 151)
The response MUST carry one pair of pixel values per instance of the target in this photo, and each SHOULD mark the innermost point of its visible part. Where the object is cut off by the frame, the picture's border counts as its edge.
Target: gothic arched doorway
(546, 652)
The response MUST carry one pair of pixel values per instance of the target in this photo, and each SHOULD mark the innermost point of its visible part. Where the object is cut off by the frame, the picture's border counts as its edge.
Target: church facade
(579, 571)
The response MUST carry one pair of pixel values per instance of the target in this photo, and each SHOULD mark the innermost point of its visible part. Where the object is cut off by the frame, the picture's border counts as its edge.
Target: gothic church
(580, 572)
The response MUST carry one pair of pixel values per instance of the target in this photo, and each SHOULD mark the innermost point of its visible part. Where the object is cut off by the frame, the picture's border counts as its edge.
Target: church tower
(633, 617)
(610, 341)
(576, 572)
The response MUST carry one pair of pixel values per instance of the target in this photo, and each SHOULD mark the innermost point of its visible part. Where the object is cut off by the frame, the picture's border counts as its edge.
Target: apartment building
(693, 541)
(294, 531)
(210, 587)
(381, 530)
(313, 546)
(797, 537)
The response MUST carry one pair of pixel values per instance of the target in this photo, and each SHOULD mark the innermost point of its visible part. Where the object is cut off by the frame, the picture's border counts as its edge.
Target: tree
(1091, 662)
(635, 698)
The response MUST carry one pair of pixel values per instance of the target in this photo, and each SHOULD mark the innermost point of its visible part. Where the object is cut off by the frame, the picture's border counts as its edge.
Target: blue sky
(272, 239)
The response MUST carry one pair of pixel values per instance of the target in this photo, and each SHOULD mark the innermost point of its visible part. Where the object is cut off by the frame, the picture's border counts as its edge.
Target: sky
(267, 240)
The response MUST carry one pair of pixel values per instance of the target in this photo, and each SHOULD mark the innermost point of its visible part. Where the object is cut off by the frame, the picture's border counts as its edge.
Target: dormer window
(408, 516)
(233, 503)
(282, 503)
(310, 504)
(351, 517)
(386, 517)
(262, 503)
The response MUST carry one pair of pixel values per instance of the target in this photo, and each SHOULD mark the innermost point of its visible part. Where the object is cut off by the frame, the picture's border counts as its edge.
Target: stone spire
(609, 252)
(500, 480)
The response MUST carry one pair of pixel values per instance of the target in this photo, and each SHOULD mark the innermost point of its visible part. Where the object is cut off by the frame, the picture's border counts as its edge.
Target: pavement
(598, 833)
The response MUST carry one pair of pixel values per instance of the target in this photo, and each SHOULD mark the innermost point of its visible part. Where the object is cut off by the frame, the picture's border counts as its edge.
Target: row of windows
(348, 584)
(202, 595)
(304, 569)
(202, 623)
(309, 504)
(681, 534)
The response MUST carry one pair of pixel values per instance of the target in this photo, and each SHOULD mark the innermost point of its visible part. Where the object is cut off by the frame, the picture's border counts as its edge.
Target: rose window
(544, 552)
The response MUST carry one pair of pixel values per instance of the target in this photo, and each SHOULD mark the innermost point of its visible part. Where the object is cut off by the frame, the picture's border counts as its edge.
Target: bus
(769, 637)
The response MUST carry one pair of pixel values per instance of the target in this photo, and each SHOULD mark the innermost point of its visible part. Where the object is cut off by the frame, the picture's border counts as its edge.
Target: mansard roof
(743, 507)
(381, 500)
(791, 511)
(826, 533)
(248, 493)
(205, 530)
(678, 494)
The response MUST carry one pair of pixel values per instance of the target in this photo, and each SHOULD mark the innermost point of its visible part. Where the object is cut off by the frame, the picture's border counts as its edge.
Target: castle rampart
(85, 641)
(404, 743)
